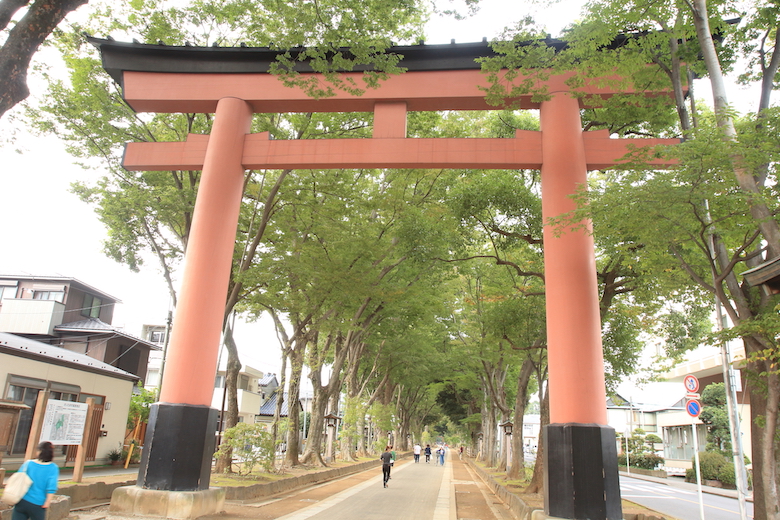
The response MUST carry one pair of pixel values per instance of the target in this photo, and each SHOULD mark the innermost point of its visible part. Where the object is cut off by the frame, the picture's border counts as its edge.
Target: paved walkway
(416, 492)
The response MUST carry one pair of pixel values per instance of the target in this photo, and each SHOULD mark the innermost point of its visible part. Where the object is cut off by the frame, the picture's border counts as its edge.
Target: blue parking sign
(693, 407)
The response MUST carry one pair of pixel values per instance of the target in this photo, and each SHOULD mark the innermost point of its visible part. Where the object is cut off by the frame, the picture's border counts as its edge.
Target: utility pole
(737, 451)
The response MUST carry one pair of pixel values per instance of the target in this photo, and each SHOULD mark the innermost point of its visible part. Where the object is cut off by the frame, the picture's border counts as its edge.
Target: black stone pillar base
(581, 472)
(178, 448)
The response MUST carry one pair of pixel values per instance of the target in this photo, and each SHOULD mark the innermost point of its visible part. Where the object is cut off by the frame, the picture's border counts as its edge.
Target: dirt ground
(469, 504)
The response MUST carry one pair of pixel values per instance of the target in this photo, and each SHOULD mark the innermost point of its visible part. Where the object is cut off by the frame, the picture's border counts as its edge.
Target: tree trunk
(224, 462)
(313, 453)
(747, 183)
(764, 403)
(23, 41)
(294, 395)
(518, 459)
(292, 409)
(537, 480)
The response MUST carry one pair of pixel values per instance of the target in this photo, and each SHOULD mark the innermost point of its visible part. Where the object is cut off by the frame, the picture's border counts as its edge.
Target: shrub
(711, 464)
(251, 444)
(114, 455)
(641, 460)
(647, 461)
(727, 475)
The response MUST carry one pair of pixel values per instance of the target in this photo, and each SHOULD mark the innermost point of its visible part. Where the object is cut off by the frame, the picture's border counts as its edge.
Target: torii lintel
(261, 152)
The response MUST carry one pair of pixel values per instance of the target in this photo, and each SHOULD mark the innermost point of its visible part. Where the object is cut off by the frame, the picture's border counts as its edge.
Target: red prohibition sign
(691, 383)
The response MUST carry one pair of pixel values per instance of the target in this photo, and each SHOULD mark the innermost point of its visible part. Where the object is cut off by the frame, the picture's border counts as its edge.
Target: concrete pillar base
(179, 444)
(134, 500)
(581, 477)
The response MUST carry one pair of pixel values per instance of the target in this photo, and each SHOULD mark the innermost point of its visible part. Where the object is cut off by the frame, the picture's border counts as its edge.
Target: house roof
(268, 408)
(94, 325)
(29, 348)
(62, 279)
(267, 380)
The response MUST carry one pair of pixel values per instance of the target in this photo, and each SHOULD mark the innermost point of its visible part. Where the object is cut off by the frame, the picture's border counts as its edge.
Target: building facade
(72, 315)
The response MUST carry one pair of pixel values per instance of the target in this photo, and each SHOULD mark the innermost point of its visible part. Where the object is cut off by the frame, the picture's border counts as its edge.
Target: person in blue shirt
(44, 474)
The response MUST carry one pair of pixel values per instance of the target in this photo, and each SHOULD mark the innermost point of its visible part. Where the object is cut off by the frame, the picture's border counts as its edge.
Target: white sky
(45, 230)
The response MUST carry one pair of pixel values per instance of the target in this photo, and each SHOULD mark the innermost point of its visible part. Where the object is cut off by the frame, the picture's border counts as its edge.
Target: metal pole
(737, 450)
(168, 323)
(698, 469)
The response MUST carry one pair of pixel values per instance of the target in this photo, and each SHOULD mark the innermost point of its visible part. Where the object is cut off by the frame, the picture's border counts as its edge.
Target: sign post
(693, 407)
(81, 453)
(67, 423)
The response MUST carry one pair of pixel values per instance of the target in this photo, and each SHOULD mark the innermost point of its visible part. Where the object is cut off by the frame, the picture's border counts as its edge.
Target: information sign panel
(64, 422)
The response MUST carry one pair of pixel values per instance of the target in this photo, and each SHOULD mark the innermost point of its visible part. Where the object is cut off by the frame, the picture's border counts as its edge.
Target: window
(219, 382)
(91, 308)
(58, 296)
(157, 336)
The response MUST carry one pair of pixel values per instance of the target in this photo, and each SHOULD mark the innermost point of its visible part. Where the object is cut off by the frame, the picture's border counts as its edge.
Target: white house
(28, 367)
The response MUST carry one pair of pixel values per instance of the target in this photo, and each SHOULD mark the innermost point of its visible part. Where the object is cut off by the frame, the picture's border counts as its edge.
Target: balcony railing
(26, 316)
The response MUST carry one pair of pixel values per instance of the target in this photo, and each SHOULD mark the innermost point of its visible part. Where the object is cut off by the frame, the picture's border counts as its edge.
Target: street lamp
(331, 421)
(507, 426)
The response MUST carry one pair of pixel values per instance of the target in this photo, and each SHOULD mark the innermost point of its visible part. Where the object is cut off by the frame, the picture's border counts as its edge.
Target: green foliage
(140, 403)
(711, 465)
(641, 452)
(715, 415)
(114, 455)
(251, 445)
(649, 461)
(727, 475)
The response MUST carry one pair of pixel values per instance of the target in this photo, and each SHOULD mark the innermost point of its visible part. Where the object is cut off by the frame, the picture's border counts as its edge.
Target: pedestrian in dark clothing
(387, 461)
(427, 453)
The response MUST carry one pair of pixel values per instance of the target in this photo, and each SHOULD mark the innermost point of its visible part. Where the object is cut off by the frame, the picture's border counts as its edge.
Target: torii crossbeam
(580, 454)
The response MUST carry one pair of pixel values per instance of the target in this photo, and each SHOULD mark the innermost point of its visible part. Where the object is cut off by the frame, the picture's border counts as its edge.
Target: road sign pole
(698, 468)
(693, 408)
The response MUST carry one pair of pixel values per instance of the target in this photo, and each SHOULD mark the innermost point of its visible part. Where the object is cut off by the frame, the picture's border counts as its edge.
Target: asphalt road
(680, 503)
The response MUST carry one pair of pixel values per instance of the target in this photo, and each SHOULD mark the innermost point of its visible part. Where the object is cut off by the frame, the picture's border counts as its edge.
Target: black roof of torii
(125, 56)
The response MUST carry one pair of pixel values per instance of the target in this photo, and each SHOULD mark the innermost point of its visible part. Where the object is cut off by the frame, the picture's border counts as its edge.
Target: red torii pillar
(580, 453)
(581, 459)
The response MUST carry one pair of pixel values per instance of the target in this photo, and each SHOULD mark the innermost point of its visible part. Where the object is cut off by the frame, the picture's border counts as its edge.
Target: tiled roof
(267, 380)
(269, 407)
(95, 325)
(17, 345)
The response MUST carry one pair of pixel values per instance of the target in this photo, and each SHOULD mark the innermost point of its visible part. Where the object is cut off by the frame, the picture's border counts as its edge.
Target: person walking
(440, 452)
(417, 451)
(44, 474)
(427, 453)
(387, 463)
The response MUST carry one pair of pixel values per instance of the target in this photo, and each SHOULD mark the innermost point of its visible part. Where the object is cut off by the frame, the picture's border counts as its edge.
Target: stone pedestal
(133, 500)
(581, 477)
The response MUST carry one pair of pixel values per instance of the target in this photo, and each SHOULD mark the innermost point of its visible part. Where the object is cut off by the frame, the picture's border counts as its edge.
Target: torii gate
(580, 451)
